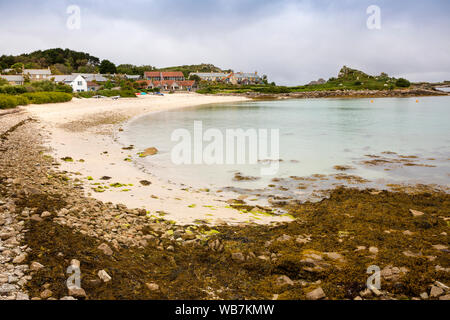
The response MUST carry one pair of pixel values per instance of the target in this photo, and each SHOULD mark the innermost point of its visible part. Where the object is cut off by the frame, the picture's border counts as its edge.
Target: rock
(439, 247)
(152, 286)
(416, 213)
(102, 274)
(77, 292)
(145, 183)
(6, 235)
(335, 256)
(446, 297)
(215, 245)
(373, 250)
(36, 266)
(22, 296)
(46, 294)
(45, 214)
(377, 292)
(36, 217)
(237, 256)
(424, 296)
(20, 259)
(67, 298)
(63, 212)
(284, 237)
(441, 285)
(436, 292)
(105, 249)
(7, 288)
(284, 280)
(316, 294)
(366, 293)
(75, 263)
(358, 298)
(3, 279)
(393, 273)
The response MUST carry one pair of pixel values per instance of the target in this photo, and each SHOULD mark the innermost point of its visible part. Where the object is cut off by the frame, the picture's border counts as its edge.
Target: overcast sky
(292, 41)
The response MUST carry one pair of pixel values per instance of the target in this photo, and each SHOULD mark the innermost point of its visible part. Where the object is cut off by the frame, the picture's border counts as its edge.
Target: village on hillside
(162, 80)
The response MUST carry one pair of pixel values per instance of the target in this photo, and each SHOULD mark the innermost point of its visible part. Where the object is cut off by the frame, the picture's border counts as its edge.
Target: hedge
(107, 93)
(11, 101)
(47, 97)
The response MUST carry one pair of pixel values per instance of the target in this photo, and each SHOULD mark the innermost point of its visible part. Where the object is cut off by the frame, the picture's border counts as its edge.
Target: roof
(209, 74)
(154, 74)
(132, 76)
(186, 83)
(37, 71)
(61, 78)
(92, 76)
(246, 75)
(92, 84)
(12, 77)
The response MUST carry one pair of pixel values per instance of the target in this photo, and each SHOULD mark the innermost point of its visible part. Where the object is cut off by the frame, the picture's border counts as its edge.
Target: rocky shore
(47, 224)
(414, 92)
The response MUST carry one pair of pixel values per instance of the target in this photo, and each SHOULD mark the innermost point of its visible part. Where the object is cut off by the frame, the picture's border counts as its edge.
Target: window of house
(80, 83)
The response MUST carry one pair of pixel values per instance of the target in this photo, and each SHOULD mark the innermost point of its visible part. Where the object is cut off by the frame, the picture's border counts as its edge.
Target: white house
(77, 82)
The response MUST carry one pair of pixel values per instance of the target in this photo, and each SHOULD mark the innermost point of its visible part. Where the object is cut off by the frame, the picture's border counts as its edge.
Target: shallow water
(411, 136)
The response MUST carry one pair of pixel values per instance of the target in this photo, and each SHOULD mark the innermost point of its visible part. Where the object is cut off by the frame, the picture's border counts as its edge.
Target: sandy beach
(85, 129)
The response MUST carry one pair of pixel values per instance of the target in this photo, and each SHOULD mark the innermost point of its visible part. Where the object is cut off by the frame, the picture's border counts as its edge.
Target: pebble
(102, 274)
(105, 249)
(152, 286)
(316, 294)
(436, 291)
(237, 256)
(416, 213)
(46, 294)
(36, 266)
(77, 292)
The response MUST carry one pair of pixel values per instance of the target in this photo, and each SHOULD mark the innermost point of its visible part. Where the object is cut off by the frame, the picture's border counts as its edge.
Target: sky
(292, 41)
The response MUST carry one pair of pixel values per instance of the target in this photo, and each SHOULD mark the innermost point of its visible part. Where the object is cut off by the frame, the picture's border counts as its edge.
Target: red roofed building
(170, 85)
(161, 76)
(173, 80)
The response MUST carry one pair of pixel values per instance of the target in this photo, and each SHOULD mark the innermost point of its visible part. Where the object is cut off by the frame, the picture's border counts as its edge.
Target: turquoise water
(412, 136)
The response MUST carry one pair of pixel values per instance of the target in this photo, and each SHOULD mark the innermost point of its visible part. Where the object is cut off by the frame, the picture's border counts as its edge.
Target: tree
(403, 83)
(107, 66)
(17, 67)
(196, 78)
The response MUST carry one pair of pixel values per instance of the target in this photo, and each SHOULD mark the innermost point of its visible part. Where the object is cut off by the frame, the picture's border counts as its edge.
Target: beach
(52, 219)
(85, 131)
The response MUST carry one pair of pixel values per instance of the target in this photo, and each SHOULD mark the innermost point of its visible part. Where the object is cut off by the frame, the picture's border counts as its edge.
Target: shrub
(10, 101)
(47, 97)
(402, 83)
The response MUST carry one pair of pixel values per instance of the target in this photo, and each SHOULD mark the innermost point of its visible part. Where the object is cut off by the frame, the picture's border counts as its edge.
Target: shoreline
(88, 137)
(349, 94)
